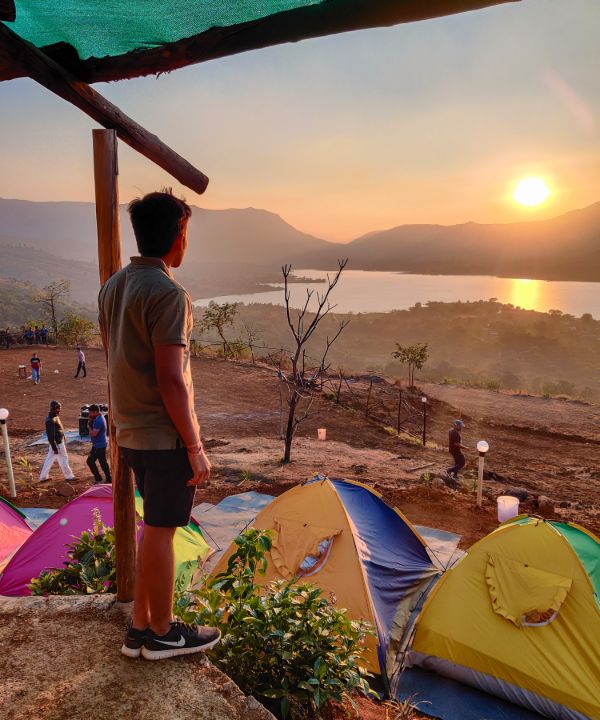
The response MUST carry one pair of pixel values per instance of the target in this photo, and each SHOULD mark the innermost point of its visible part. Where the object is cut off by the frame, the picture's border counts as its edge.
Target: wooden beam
(109, 256)
(8, 11)
(309, 21)
(56, 79)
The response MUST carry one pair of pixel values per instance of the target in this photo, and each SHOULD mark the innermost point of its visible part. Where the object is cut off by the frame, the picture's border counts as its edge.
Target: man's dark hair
(94, 408)
(157, 219)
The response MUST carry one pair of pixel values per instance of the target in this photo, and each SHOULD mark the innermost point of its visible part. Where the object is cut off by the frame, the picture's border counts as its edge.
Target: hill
(68, 229)
(563, 248)
(232, 250)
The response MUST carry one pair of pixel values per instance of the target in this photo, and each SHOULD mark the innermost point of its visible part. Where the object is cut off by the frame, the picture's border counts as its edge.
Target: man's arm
(50, 433)
(94, 431)
(168, 361)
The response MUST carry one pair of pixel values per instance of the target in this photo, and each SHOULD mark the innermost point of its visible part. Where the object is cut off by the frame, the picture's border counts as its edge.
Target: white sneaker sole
(131, 652)
(174, 652)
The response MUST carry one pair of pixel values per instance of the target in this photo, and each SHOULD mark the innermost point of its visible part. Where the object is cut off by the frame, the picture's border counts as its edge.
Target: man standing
(80, 363)
(455, 447)
(97, 426)
(57, 450)
(36, 368)
(146, 323)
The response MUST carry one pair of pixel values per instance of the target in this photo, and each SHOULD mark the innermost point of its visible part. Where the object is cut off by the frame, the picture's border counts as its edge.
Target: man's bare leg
(157, 578)
(141, 608)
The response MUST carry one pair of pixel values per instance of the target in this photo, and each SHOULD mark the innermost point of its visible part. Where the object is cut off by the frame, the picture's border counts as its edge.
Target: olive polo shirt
(141, 306)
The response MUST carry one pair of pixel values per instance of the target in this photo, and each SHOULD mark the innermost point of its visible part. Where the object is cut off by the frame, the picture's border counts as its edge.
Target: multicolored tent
(519, 617)
(47, 546)
(14, 530)
(342, 537)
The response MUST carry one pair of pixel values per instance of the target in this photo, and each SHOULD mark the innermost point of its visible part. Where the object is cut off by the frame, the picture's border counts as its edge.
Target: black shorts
(161, 477)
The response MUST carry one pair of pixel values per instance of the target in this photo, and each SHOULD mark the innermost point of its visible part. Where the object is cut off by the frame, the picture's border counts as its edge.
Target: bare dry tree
(303, 382)
(49, 298)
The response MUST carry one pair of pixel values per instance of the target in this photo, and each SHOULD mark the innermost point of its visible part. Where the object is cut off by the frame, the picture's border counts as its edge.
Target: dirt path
(239, 408)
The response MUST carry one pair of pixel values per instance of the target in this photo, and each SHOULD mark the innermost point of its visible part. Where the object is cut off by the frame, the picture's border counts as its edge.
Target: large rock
(545, 505)
(518, 492)
(60, 660)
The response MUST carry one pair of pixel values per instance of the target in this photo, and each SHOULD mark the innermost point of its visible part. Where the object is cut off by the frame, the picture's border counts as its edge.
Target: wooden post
(399, 408)
(109, 258)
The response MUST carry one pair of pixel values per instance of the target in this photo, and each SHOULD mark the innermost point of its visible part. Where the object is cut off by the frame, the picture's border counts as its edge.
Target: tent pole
(109, 260)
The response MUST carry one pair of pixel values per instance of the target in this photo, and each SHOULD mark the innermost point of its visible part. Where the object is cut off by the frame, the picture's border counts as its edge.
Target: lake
(370, 291)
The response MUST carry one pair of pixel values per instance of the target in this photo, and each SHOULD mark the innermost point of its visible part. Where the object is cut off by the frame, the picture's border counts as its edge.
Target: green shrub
(283, 643)
(90, 568)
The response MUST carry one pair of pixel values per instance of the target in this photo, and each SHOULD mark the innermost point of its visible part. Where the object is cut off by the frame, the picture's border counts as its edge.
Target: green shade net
(114, 27)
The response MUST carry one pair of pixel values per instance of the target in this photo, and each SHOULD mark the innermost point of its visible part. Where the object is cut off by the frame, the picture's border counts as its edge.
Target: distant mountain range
(233, 250)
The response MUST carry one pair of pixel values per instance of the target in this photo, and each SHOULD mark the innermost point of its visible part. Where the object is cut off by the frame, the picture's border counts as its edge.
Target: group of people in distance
(57, 451)
(35, 363)
(38, 335)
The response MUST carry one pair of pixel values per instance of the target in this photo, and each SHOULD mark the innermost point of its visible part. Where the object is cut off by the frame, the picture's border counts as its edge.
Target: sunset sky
(427, 122)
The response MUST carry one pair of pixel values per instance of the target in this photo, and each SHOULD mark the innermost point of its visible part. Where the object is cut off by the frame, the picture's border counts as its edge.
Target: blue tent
(342, 537)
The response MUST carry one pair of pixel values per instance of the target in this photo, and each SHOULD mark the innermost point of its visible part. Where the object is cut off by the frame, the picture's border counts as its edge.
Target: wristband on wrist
(194, 449)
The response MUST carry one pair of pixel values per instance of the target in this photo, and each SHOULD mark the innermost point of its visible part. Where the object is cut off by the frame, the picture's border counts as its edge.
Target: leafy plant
(284, 643)
(404, 709)
(90, 568)
(217, 317)
(74, 329)
(414, 356)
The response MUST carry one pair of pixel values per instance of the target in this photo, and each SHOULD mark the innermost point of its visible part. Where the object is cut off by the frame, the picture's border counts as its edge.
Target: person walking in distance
(146, 323)
(57, 450)
(36, 368)
(80, 362)
(455, 448)
(97, 426)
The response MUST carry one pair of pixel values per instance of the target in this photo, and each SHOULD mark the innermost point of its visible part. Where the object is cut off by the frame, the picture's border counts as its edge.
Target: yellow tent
(519, 617)
(342, 537)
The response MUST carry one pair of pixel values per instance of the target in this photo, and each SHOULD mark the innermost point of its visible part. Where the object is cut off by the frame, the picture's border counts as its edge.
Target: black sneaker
(181, 639)
(134, 641)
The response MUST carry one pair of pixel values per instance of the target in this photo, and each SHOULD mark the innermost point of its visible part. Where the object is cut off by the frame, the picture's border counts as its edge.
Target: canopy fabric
(113, 40)
(518, 590)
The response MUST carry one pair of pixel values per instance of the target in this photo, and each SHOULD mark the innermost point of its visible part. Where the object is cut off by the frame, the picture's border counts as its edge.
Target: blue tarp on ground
(450, 700)
(221, 523)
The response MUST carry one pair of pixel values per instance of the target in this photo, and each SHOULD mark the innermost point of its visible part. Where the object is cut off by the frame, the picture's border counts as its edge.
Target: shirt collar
(151, 262)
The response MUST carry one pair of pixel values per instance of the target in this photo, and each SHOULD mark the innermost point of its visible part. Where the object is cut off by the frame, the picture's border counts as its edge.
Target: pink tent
(46, 547)
(14, 530)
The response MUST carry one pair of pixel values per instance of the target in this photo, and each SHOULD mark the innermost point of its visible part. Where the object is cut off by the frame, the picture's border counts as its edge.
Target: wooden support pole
(109, 257)
(55, 78)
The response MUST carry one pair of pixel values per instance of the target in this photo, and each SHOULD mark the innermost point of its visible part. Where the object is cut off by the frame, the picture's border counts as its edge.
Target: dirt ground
(547, 447)
(93, 681)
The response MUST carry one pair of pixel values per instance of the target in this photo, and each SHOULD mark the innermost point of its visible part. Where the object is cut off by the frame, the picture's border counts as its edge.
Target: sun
(531, 191)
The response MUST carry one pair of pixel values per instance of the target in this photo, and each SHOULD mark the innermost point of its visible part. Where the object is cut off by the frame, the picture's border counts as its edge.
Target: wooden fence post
(109, 260)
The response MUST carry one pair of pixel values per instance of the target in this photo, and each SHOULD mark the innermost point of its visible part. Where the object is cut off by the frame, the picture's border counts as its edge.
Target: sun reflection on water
(525, 293)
